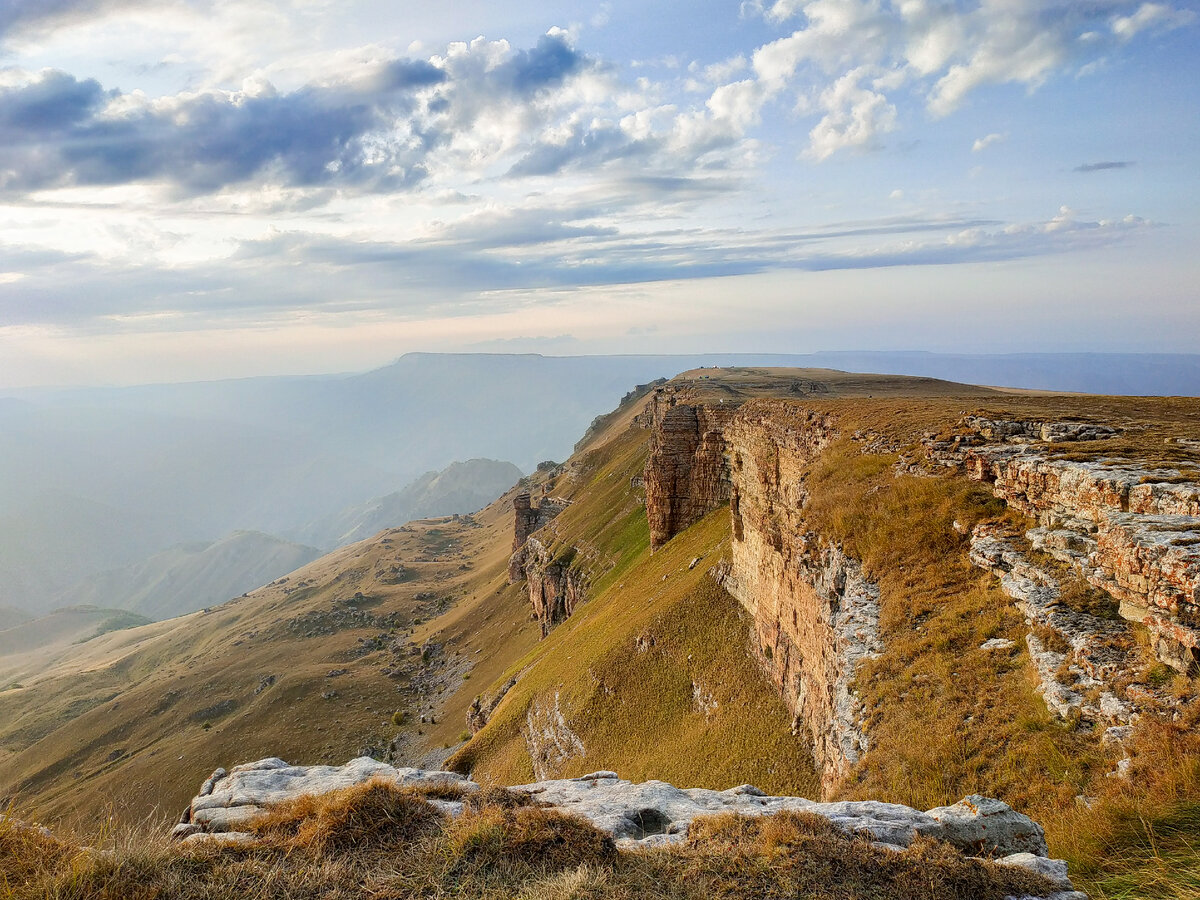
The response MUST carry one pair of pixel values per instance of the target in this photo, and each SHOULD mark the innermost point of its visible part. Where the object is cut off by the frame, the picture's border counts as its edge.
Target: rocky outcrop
(548, 738)
(815, 613)
(1080, 658)
(527, 519)
(556, 586)
(1130, 530)
(480, 711)
(686, 475)
(643, 815)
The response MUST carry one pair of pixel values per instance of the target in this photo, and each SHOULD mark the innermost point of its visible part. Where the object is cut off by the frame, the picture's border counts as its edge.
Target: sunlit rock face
(686, 475)
(816, 615)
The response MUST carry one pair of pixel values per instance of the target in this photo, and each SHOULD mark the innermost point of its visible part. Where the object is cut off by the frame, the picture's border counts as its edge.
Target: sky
(196, 189)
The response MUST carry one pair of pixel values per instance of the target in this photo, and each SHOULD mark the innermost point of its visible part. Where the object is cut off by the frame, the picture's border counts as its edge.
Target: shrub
(527, 837)
(377, 814)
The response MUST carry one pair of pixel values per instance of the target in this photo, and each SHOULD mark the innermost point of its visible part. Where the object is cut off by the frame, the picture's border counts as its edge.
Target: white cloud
(945, 50)
(986, 141)
(854, 116)
(1151, 15)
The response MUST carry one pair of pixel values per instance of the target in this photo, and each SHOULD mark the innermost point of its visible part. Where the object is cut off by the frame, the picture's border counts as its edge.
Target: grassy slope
(118, 725)
(634, 709)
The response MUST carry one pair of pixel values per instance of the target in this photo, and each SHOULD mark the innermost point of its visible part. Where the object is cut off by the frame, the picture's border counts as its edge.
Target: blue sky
(207, 188)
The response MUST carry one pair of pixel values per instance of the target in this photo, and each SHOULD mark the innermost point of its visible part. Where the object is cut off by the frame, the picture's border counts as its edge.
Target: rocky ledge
(1132, 531)
(638, 816)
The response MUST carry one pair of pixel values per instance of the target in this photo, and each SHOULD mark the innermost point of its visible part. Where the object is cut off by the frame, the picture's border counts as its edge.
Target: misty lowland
(752, 630)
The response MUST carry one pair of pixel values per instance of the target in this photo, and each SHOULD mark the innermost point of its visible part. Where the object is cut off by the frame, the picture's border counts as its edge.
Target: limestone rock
(686, 475)
(990, 826)
(816, 615)
(642, 815)
(1098, 652)
(556, 586)
(1131, 530)
(1054, 869)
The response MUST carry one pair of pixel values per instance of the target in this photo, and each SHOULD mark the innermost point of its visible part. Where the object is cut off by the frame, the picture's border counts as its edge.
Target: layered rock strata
(686, 475)
(1130, 530)
(643, 815)
(1080, 658)
(816, 615)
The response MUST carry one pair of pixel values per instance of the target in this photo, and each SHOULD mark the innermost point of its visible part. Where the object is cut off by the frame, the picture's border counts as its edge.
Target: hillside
(190, 577)
(461, 487)
(10, 617)
(827, 585)
(32, 638)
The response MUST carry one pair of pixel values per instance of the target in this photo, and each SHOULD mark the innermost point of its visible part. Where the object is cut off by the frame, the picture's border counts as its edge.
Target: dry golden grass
(363, 845)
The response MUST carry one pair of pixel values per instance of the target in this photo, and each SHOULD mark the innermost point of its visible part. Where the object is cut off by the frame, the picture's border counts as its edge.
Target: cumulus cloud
(941, 52)
(855, 116)
(375, 130)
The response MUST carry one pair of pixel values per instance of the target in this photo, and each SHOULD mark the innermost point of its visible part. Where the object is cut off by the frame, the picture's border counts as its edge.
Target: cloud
(375, 130)
(938, 51)
(1102, 166)
(1156, 16)
(19, 14)
(983, 143)
(481, 262)
(854, 117)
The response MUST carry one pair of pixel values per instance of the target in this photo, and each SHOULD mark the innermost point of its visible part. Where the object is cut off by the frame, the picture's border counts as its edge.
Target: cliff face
(686, 475)
(555, 587)
(815, 613)
(1130, 530)
(527, 519)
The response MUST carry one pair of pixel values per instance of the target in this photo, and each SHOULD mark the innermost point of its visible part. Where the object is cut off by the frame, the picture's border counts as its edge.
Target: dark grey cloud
(547, 65)
(371, 134)
(1101, 166)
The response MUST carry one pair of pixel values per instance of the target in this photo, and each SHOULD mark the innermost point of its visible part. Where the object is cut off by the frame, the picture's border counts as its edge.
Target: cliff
(555, 588)
(686, 475)
(815, 614)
